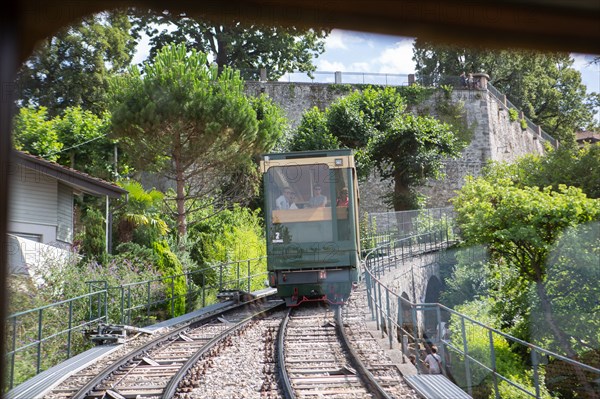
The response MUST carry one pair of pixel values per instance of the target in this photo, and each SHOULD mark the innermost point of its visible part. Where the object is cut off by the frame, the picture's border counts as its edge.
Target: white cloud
(361, 67)
(327, 66)
(397, 59)
(335, 40)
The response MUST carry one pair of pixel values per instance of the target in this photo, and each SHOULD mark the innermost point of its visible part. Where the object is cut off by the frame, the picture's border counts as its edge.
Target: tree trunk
(180, 198)
(402, 195)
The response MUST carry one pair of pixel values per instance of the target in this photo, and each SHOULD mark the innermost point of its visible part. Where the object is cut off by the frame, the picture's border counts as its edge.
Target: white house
(40, 208)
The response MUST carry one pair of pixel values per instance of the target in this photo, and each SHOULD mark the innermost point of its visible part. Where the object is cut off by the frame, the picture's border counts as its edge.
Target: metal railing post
(536, 377)
(493, 361)
(39, 342)
(379, 309)
(14, 354)
(172, 296)
(69, 333)
(149, 299)
(122, 304)
(389, 317)
(466, 353)
(413, 311)
(221, 277)
(249, 277)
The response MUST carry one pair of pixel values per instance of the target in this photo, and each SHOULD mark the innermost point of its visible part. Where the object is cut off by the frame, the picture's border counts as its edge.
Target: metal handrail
(380, 297)
(134, 303)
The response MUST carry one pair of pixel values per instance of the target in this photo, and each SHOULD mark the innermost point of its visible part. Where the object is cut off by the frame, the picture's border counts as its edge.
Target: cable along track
(315, 361)
(156, 369)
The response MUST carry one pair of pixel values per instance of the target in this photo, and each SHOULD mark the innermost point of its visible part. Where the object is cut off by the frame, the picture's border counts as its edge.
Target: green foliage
(578, 167)
(411, 151)
(175, 283)
(513, 115)
(343, 88)
(86, 146)
(75, 138)
(523, 124)
(60, 280)
(358, 117)
(313, 134)
(34, 134)
(508, 363)
(522, 226)
(374, 122)
(470, 277)
(72, 67)
(93, 237)
(139, 218)
(191, 123)
(229, 236)
(454, 114)
(238, 44)
(415, 94)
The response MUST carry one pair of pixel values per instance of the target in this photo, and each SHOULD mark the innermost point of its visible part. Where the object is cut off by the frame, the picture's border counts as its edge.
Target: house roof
(590, 137)
(70, 177)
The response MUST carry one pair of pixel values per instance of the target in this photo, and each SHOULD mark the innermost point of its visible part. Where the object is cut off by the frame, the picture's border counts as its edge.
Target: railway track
(158, 368)
(314, 360)
(205, 361)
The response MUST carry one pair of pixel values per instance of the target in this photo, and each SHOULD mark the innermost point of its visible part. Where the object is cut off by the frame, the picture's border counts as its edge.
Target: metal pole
(39, 343)
(466, 353)
(172, 296)
(70, 327)
(493, 360)
(389, 316)
(249, 278)
(536, 377)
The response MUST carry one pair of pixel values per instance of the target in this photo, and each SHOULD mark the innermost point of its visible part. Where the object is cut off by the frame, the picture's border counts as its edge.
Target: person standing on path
(433, 361)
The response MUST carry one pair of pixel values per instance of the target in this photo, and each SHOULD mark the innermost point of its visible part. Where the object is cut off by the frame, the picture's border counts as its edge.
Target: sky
(349, 51)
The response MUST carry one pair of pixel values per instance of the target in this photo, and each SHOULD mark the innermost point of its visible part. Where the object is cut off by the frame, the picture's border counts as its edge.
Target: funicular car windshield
(308, 203)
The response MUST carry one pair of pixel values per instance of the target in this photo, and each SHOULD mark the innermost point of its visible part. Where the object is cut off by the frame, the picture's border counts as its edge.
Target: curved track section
(157, 366)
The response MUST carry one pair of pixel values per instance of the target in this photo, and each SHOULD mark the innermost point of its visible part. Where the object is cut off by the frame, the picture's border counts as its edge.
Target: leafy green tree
(35, 134)
(140, 219)
(544, 85)
(411, 151)
(522, 226)
(75, 138)
(386, 136)
(578, 167)
(86, 146)
(72, 67)
(92, 237)
(215, 239)
(313, 134)
(245, 46)
(169, 266)
(190, 123)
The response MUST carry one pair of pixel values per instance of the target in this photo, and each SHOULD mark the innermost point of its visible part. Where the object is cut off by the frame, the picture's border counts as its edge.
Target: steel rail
(84, 391)
(173, 384)
(363, 373)
(286, 384)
